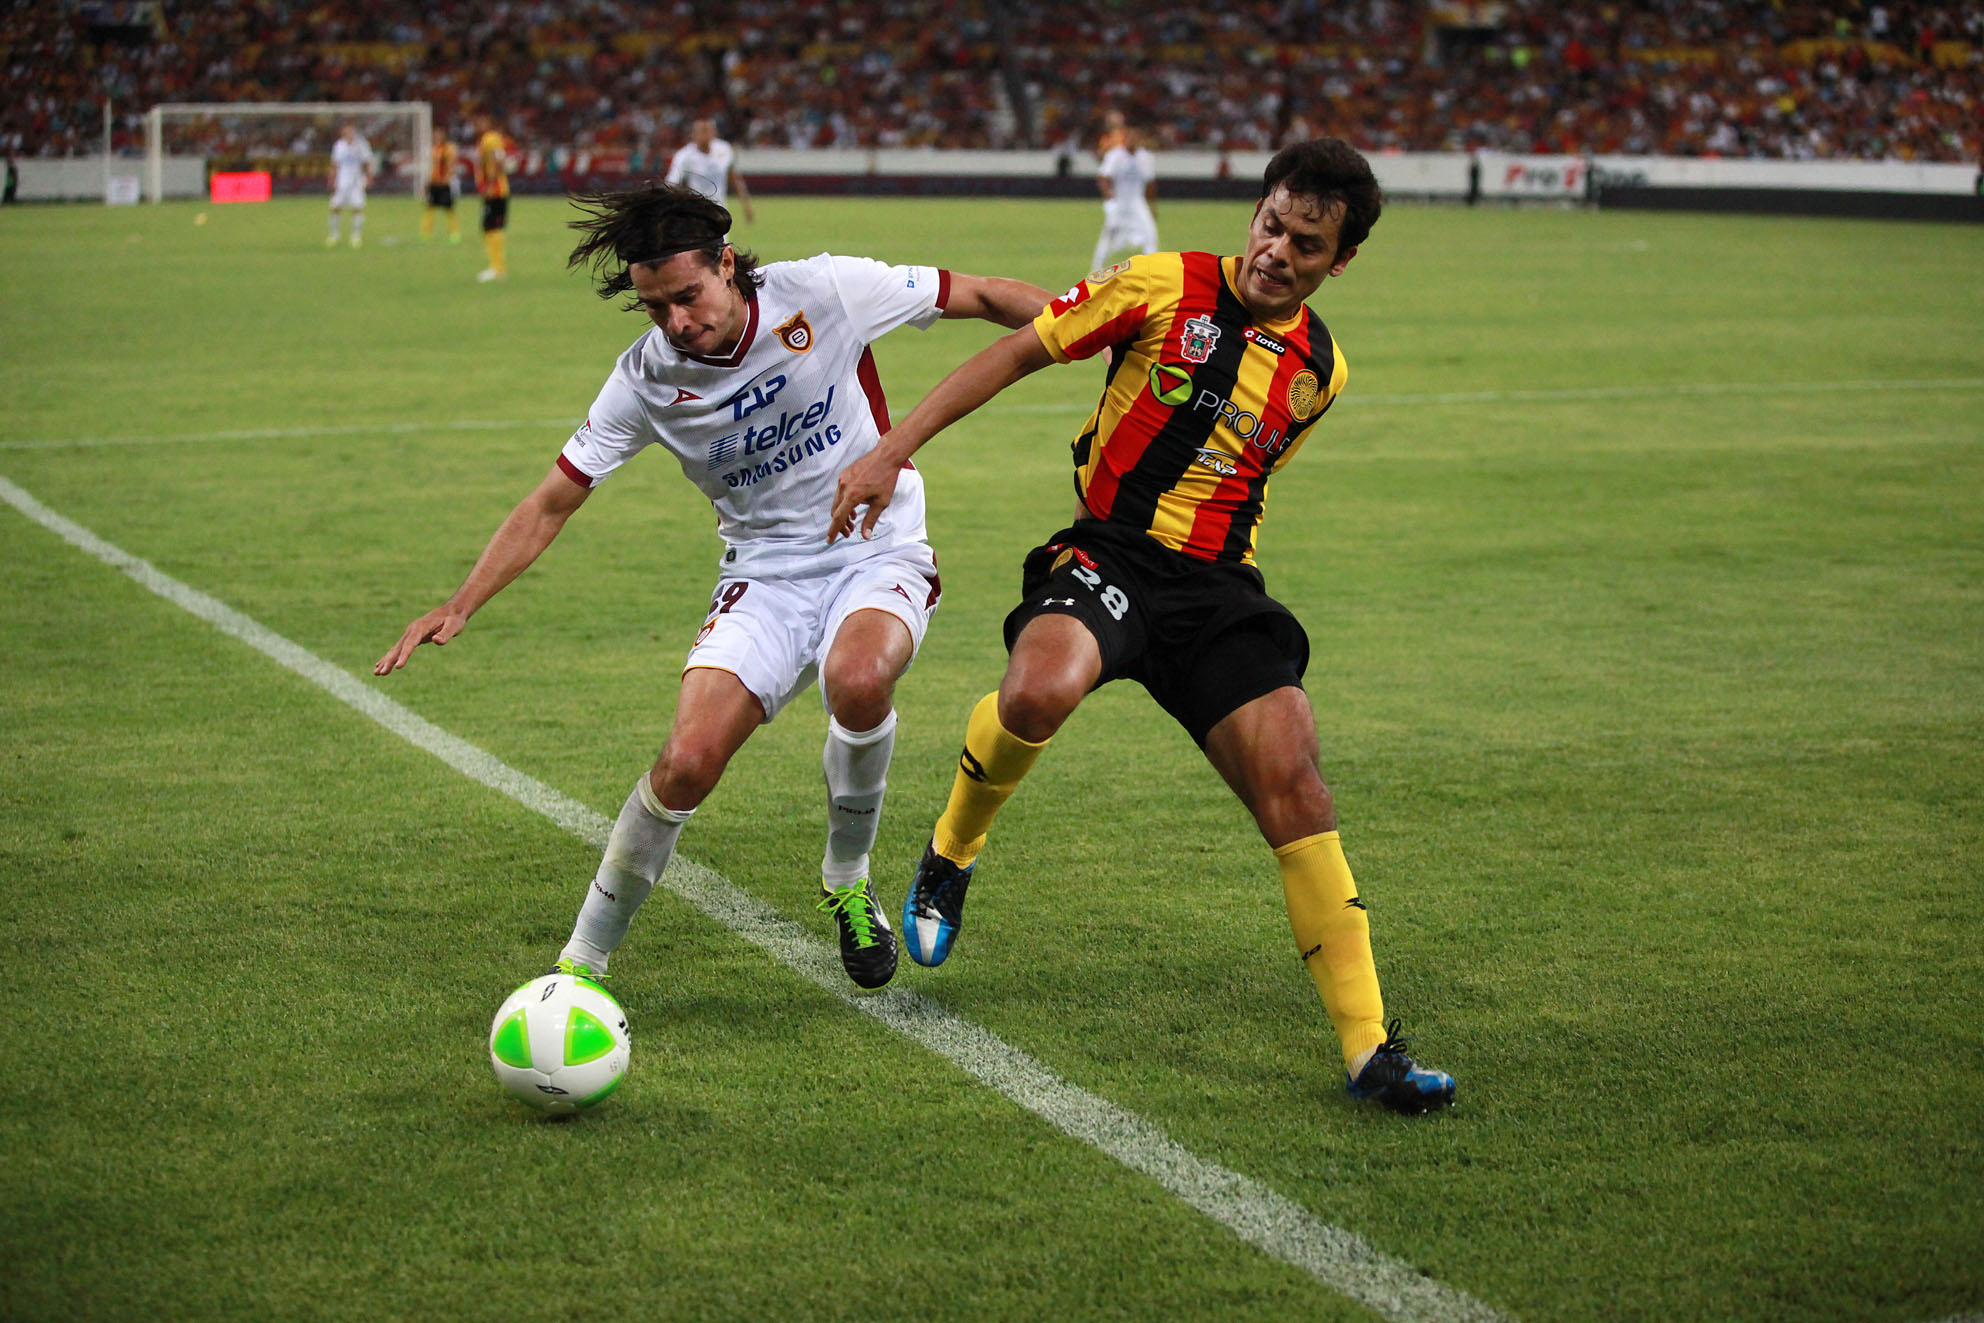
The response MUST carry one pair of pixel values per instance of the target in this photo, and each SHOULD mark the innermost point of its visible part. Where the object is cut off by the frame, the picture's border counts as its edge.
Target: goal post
(293, 136)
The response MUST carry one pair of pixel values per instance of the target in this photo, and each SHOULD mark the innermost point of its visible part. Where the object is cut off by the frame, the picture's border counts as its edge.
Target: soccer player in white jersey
(760, 384)
(708, 164)
(1127, 179)
(351, 173)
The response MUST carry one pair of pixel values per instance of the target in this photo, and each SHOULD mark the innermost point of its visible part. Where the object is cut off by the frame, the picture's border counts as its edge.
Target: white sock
(636, 853)
(857, 768)
(357, 223)
(334, 223)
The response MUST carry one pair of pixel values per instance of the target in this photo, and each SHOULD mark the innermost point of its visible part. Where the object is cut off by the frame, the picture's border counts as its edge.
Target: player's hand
(870, 481)
(436, 627)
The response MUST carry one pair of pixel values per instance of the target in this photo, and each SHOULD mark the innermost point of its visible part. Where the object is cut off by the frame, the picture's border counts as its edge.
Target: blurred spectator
(620, 81)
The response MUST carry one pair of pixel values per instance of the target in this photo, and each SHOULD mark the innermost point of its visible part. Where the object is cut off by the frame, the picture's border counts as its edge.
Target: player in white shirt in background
(1127, 179)
(708, 164)
(759, 382)
(351, 174)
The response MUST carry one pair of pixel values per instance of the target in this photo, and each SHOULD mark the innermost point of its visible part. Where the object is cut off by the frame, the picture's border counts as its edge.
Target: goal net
(290, 141)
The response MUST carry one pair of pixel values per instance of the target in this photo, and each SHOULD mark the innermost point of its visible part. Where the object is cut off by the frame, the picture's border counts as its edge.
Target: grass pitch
(1644, 564)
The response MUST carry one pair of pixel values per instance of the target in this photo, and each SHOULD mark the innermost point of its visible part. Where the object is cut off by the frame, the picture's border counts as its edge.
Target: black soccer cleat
(1390, 1077)
(933, 911)
(867, 943)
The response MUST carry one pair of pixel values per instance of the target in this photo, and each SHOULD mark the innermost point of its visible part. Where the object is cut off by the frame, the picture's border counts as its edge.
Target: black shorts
(440, 195)
(1203, 637)
(495, 213)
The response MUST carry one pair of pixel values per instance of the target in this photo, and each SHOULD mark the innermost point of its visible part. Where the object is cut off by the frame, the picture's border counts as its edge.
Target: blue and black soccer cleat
(933, 911)
(1390, 1077)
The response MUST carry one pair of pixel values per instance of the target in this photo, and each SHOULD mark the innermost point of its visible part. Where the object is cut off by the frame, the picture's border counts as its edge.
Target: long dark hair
(652, 224)
(1329, 170)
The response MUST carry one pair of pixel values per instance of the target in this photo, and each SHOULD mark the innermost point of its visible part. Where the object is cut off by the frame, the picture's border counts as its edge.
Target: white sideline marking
(1275, 1225)
(1564, 396)
(298, 433)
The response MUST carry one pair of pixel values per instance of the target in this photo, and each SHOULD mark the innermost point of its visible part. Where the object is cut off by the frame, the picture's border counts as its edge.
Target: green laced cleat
(867, 943)
(582, 972)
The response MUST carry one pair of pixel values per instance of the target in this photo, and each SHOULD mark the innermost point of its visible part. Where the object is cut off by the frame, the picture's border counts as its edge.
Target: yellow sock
(492, 240)
(427, 223)
(989, 770)
(1333, 935)
(454, 227)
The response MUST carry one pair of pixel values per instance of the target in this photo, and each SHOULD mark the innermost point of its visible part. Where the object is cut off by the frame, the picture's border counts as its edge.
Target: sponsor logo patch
(1219, 463)
(796, 333)
(1265, 341)
(1170, 385)
(1108, 272)
(1305, 396)
(1199, 339)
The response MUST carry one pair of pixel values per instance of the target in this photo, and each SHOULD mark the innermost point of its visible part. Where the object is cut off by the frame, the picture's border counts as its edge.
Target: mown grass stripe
(1273, 1224)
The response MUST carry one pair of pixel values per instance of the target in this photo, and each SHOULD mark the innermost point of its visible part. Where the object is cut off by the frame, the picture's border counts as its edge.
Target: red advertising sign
(241, 186)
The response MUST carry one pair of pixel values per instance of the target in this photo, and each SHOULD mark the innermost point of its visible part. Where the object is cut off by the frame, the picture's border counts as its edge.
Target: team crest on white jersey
(796, 333)
(1200, 337)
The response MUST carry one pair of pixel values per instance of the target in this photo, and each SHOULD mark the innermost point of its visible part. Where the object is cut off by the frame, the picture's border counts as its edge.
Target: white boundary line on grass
(1273, 1224)
(1569, 395)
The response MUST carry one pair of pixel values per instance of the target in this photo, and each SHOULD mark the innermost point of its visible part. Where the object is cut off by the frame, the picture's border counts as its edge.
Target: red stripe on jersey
(871, 386)
(1124, 444)
(575, 473)
(943, 289)
(1114, 331)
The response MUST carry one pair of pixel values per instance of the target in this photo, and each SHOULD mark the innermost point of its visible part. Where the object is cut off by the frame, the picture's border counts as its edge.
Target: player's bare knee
(1034, 706)
(860, 691)
(685, 774)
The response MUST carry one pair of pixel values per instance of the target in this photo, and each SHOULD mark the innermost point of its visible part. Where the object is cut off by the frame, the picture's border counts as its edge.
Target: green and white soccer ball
(560, 1044)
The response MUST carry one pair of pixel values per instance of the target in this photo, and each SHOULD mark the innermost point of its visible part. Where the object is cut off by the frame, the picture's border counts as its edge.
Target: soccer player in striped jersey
(1218, 374)
(759, 383)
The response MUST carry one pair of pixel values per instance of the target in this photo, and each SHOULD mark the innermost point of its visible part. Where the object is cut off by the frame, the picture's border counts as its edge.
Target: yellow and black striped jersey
(1202, 402)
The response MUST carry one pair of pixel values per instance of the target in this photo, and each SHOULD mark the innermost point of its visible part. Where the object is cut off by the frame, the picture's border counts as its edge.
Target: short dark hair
(652, 224)
(1329, 170)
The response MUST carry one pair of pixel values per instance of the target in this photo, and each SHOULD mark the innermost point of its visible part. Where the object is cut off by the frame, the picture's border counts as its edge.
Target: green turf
(1655, 719)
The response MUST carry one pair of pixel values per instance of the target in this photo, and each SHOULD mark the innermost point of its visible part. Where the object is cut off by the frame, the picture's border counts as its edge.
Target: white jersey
(766, 431)
(350, 160)
(1129, 171)
(708, 172)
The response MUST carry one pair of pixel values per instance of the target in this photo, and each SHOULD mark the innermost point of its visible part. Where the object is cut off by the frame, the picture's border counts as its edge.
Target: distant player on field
(1219, 374)
(1127, 180)
(708, 164)
(351, 174)
(760, 384)
(443, 176)
(492, 181)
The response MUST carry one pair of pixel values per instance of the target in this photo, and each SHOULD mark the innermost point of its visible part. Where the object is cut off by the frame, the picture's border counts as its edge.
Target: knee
(1290, 800)
(685, 773)
(1034, 706)
(860, 690)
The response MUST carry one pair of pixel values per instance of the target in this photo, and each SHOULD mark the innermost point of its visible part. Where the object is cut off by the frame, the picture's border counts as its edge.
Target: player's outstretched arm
(743, 196)
(520, 540)
(870, 481)
(1010, 303)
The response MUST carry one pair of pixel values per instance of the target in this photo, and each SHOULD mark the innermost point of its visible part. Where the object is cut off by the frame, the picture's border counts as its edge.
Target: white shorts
(350, 195)
(773, 634)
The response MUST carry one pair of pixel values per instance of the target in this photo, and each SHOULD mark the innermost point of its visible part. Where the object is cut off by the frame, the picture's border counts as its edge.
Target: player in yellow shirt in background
(444, 165)
(492, 181)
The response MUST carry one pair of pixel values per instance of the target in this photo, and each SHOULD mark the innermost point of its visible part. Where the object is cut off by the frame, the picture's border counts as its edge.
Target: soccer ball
(560, 1044)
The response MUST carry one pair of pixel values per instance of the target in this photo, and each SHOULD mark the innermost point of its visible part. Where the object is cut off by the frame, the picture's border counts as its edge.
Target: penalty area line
(1271, 1223)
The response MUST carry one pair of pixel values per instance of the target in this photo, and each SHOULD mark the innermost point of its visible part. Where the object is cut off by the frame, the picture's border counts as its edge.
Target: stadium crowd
(1759, 78)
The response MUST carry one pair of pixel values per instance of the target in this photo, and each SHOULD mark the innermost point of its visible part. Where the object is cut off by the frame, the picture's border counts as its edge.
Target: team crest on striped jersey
(1199, 340)
(796, 333)
(1304, 395)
